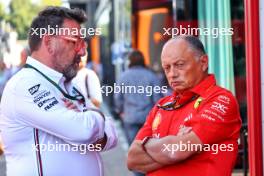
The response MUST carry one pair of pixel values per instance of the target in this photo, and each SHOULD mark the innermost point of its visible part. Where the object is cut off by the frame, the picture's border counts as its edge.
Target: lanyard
(79, 97)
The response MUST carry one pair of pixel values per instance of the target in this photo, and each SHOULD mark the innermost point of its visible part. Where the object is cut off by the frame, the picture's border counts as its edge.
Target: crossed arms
(160, 152)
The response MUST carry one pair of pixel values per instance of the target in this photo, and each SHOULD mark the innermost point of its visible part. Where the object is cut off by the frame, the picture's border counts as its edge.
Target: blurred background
(139, 24)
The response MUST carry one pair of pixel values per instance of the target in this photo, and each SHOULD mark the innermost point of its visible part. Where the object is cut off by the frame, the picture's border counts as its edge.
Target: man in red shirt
(193, 132)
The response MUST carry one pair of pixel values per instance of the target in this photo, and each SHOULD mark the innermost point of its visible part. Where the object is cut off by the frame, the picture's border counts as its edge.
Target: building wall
(261, 16)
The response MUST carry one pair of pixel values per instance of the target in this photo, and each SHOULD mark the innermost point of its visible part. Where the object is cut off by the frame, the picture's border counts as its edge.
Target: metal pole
(252, 36)
(174, 10)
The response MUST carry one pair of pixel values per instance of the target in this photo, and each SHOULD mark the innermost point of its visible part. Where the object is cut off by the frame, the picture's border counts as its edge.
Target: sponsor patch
(209, 112)
(41, 103)
(219, 107)
(223, 99)
(207, 117)
(34, 89)
(52, 104)
(41, 96)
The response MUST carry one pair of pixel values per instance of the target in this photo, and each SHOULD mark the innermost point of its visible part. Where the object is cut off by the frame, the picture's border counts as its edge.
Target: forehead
(175, 50)
(70, 23)
(70, 27)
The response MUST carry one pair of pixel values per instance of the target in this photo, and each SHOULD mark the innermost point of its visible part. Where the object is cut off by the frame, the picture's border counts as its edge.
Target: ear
(47, 41)
(204, 62)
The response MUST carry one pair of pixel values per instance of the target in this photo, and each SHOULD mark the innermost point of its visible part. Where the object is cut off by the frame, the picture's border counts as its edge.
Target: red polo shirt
(213, 116)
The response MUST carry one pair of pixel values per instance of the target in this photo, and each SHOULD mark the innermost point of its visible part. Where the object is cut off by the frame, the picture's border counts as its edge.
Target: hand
(70, 105)
(101, 141)
(95, 102)
(184, 130)
(1, 149)
(111, 134)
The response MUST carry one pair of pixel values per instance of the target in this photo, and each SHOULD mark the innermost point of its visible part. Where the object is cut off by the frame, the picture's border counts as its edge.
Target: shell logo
(156, 122)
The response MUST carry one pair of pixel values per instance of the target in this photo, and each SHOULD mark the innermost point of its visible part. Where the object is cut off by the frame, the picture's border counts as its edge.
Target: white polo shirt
(88, 82)
(34, 118)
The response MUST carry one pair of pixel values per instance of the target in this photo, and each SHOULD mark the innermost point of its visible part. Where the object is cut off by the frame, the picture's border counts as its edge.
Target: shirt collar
(204, 85)
(49, 72)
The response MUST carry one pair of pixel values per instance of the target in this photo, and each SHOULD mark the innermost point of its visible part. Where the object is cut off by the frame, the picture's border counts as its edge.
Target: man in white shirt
(88, 82)
(46, 126)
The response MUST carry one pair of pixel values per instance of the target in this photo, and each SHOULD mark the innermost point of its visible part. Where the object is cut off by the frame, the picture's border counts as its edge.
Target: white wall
(261, 15)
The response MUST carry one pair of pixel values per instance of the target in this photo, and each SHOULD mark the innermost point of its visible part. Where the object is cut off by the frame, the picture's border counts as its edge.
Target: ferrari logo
(156, 122)
(198, 102)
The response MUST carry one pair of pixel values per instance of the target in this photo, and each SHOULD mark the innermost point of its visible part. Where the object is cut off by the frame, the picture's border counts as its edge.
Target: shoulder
(26, 87)
(223, 95)
(26, 81)
(124, 76)
(90, 72)
(86, 72)
(222, 101)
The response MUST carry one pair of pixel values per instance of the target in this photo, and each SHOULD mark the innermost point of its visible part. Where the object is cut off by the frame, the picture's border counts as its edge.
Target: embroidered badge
(198, 102)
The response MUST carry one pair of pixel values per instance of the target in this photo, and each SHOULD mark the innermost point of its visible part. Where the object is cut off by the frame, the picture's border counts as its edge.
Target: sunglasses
(79, 43)
(170, 106)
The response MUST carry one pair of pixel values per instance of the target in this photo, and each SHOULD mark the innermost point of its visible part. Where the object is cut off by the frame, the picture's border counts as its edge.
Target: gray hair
(194, 42)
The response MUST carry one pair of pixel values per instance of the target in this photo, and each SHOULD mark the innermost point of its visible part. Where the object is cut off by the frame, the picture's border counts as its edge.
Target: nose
(82, 51)
(173, 73)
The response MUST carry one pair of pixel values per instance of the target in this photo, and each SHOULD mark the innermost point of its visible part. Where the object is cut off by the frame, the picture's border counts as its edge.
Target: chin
(70, 74)
(179, 89)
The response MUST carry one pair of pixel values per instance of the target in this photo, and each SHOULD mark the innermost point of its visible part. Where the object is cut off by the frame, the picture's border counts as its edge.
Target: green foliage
(51, 2)
(22, 13)
(2, 12)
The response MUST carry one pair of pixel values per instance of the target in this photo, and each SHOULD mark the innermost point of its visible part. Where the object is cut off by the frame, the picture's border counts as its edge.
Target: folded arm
(139, 160)
(170, 149)
(46, 111)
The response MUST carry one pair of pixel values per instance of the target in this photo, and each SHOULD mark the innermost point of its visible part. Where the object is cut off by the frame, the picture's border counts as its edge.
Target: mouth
(77, 61)
(176, 83)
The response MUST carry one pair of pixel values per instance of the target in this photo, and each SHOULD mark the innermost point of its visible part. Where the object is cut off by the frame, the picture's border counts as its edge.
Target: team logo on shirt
(34, 89)
(224, 99)
(197, 102)
(156, 122)
(219, 107)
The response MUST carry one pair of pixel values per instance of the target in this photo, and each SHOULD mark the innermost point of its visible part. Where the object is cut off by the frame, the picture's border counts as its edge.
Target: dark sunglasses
(170, 106)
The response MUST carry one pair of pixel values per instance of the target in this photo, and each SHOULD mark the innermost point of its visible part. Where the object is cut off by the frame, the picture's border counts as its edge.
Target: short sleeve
(218, 119)
(94, 86)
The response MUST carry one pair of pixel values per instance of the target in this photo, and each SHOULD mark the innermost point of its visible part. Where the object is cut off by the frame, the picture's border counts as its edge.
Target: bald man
(195, 130)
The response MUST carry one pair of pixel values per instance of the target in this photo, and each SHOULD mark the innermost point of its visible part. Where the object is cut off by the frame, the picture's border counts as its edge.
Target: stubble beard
(71, 71)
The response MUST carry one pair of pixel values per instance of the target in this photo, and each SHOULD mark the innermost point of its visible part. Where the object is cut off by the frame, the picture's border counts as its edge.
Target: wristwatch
(144, 142)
